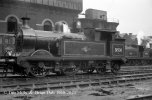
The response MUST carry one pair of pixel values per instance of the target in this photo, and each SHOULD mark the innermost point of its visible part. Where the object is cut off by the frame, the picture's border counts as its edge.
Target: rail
(76, 83)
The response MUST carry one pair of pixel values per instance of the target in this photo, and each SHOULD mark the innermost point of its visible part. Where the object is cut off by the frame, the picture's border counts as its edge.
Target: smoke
(140, 36)
(143, 39)
(149, 39)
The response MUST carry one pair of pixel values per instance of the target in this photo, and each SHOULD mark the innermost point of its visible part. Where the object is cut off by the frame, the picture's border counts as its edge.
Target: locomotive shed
(48, 53)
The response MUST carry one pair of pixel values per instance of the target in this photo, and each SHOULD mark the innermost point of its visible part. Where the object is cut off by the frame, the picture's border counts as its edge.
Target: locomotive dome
(59, 27)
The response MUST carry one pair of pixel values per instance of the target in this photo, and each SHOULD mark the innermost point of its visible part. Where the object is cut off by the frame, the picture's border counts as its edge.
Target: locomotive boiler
(38, 53)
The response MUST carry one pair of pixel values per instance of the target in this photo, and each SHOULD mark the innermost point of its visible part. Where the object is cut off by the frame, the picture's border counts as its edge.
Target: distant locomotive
(40, 52)
(138, 55)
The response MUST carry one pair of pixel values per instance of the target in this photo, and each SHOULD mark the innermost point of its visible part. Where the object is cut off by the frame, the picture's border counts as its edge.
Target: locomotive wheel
(59, 73)
(90, 70)
(101, 69)
(39, 70)
(115, 68)
(71, 70)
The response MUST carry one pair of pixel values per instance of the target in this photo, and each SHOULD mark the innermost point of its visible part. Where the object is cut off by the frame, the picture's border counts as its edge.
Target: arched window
(12, 24)
(47, 26)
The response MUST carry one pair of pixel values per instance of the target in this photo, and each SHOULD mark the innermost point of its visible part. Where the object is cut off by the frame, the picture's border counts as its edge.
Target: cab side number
(118, 49)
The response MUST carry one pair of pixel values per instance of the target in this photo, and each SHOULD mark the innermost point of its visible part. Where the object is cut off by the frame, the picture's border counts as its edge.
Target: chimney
(25, 21)
(130, 34)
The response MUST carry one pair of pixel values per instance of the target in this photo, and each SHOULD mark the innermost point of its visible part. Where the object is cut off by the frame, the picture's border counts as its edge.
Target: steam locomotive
(138, 55)
(39, 53)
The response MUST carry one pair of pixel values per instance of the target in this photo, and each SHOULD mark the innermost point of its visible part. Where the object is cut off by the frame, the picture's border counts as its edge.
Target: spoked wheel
(39, 70)
(71, 70)
(115, 68)
(59, 73)
(90, 70)
(101, 69)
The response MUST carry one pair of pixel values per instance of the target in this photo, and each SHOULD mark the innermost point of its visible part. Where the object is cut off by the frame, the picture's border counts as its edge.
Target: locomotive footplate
(64, 58)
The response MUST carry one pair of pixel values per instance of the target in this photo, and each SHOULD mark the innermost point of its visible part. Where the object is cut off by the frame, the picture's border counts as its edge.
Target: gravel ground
(109, 92)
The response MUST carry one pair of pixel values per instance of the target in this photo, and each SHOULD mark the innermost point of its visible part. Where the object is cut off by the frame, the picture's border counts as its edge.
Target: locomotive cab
(114, 44)
(115, 48)
(104, 36)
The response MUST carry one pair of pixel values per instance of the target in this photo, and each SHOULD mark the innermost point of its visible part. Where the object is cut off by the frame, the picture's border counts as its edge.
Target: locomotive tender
(38, 53)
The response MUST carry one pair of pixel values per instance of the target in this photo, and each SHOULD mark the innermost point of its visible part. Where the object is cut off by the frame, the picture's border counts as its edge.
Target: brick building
(43, 14)
(96, 25)
(130, 38)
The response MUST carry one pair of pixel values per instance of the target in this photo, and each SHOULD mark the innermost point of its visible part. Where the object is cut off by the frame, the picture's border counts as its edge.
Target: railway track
(136, 67)
(20, 84)
(141, 97)
(54, 78)
(77, 83)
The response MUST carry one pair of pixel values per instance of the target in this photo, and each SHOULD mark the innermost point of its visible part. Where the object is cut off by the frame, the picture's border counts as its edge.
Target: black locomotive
(38, 52)
(138, 55)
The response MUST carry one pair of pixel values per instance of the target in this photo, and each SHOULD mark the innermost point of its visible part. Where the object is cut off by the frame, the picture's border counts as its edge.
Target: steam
(149, 42)
(140, 36)
(144, 39)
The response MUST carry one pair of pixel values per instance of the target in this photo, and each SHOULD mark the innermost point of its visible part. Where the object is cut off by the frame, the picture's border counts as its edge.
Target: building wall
(130, 39)
(69, 4)
(103, 29)
(96, 14)
(37, 13)
(99, 24)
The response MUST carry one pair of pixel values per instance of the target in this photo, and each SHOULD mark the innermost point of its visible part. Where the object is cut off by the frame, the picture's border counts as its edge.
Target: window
(12, 24)
(47, 26)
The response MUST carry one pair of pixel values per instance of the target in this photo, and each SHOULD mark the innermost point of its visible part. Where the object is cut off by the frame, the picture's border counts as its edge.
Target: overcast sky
(135, 16)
